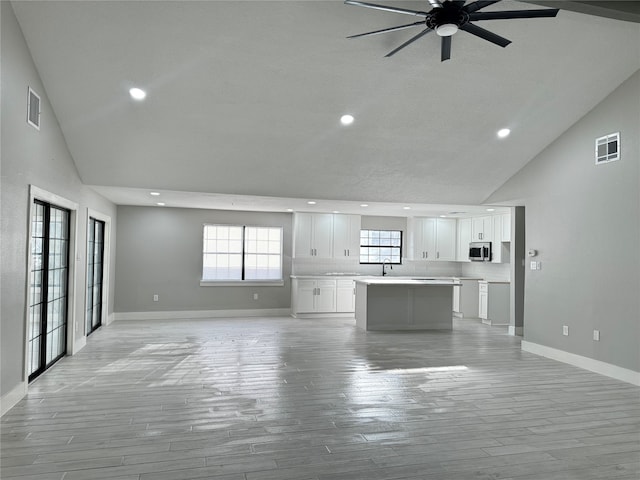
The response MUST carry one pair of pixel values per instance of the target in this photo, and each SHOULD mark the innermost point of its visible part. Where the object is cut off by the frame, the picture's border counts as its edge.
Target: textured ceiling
(244, 97)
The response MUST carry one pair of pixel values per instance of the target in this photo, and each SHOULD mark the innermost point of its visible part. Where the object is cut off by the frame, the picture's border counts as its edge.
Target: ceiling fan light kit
(447, 17)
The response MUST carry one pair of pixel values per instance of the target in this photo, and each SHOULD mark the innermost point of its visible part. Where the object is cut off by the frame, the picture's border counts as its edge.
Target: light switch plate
(534, 265)
(596, 335)
(565, 330)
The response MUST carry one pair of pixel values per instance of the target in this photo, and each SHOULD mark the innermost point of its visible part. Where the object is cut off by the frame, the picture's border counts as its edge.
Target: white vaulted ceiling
(245, 97)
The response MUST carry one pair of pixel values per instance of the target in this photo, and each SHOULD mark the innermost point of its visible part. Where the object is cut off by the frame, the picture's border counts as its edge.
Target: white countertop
(407, 281)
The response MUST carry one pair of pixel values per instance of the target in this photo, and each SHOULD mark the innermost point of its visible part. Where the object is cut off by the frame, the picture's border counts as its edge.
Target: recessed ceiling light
(336, 211)
(289, 209)
(491, 209)
(161, 204)
(137, 93)
(311, 202)
(155, 194)
(406, 208)
(504, 133)
(364, 205)
(346, 119)
(443, 216)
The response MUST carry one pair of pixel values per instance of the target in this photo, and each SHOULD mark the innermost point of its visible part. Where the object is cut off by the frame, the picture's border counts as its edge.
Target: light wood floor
(274, 399)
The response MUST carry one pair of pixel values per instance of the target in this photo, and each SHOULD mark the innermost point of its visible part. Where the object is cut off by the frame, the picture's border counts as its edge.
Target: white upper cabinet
(346, 236)
(481, 229)
(432, 239)
(506, 227)
(325, 235)
(313, 235)
(464, 239)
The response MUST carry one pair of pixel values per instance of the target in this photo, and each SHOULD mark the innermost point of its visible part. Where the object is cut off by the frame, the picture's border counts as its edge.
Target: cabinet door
(322, 234)
(496, 244)
(429, 243)
(305, 296)
(326, 296)
(464, 238)
(483, 298)
(346, 236)
(506, 227)
(345, 296)
(445, 239)
(303, 234)
(456, 299)
(481, 229)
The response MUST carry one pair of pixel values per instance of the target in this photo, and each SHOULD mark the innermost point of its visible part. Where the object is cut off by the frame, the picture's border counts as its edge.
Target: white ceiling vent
(33, 109)
(608, 148)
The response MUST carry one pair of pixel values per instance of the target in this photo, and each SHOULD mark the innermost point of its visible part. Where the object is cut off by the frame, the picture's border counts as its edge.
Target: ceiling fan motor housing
(449, 14)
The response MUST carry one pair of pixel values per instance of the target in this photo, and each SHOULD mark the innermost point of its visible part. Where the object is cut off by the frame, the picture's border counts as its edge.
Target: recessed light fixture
(504, 133)
(443, 216)
(491, 209)
(137, 93)
(364, 205)
(311, 202)
(155, 194)
(336, 211)
(161, 204)
(406, 208)
(289, 209)
(346, 119)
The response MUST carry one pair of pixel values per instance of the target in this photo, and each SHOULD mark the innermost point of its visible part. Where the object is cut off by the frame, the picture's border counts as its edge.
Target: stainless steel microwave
(480, 251)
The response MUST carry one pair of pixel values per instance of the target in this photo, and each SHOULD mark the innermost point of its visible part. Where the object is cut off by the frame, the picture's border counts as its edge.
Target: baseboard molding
(11, 399)
(193, 314)
(515, 331)
(110, 318)
(79, 344)
(597, 366)
(304, 316)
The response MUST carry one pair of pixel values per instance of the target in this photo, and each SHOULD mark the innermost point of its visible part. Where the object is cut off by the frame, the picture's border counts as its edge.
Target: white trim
(80, 343)
(191, 314)
(597, 366)
(36, 193)
(106, 259)
(11, 399)
(515, 331)
(110, 318)
(324, 315)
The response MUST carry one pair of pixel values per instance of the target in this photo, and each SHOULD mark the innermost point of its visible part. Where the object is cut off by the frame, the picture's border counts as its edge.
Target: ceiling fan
(447, 17)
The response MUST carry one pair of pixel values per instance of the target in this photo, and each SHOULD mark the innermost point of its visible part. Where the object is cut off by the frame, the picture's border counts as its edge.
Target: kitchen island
(404, 303)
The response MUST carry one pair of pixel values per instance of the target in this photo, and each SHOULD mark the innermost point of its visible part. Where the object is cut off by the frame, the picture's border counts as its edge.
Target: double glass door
(48, 280)
(95, 260)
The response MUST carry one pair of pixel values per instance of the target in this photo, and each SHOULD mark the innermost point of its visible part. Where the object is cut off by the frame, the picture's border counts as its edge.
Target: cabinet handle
(438, 255)
(311, 252)
(426, 254)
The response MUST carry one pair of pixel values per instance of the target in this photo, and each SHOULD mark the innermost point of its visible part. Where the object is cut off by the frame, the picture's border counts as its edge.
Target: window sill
(241, 283)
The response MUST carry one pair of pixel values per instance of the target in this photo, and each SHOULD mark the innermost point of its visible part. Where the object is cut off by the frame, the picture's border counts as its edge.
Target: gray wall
(160, 252)
(29, 157)
(584, 221)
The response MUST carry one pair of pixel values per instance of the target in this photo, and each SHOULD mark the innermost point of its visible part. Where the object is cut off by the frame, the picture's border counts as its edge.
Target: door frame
(36, 193)
(106, 259)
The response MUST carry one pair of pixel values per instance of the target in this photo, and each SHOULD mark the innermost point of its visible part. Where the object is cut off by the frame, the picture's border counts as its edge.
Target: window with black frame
(379, 245)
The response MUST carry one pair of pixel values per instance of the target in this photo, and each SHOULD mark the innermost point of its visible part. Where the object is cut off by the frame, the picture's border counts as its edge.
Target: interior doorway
(95, 274)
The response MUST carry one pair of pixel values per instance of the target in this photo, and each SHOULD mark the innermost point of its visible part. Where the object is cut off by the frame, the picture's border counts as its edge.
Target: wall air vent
(33, 109)
(608, 148)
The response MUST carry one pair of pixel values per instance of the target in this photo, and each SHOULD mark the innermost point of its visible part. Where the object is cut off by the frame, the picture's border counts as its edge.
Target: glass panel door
(95, 258)
(48, 287)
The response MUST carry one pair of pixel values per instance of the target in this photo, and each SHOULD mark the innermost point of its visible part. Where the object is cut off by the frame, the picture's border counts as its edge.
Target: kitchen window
(379, 245)
(238, 253)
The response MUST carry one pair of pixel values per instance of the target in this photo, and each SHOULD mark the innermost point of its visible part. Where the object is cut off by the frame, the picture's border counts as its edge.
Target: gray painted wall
(40, 158)
(160, 252)
(585, 222)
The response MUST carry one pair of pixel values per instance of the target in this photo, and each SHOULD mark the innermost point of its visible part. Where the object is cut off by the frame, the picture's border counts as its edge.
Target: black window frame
(381, 246)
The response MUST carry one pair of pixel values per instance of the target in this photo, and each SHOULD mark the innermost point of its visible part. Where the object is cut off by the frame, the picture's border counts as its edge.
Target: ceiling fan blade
(408, 42)
(475, 6)
(485, 34)
(385, 30)
(458, 3)
(445, 53)
(386, 8)
(548, 12)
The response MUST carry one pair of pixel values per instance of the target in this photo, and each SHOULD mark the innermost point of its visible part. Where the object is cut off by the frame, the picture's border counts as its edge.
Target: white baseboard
(192, 314)
(323, 315)
(10, 399)
(79, 344)
(515, 331)
(110, 318)
(597, 366)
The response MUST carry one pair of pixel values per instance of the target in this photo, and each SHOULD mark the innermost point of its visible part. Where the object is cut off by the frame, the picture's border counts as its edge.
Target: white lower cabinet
(493, 302)
(322, 295)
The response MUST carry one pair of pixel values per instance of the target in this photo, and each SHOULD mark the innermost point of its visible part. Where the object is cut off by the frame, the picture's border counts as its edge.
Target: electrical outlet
(255, 296)
(565, 330)
(155, 298)
(596, 335)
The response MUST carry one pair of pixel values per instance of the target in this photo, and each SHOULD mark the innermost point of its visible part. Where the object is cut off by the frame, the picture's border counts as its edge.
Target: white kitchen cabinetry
(345, 296)
(432, 239)
(313, 235)
(346, 236)
(325, 235)
(506, 227)
(481, 229)
(464, 239)
(493, 302)
(313, 295)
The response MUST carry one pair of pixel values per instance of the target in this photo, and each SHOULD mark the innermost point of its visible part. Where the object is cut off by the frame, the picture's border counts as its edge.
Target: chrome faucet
(390, 266)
